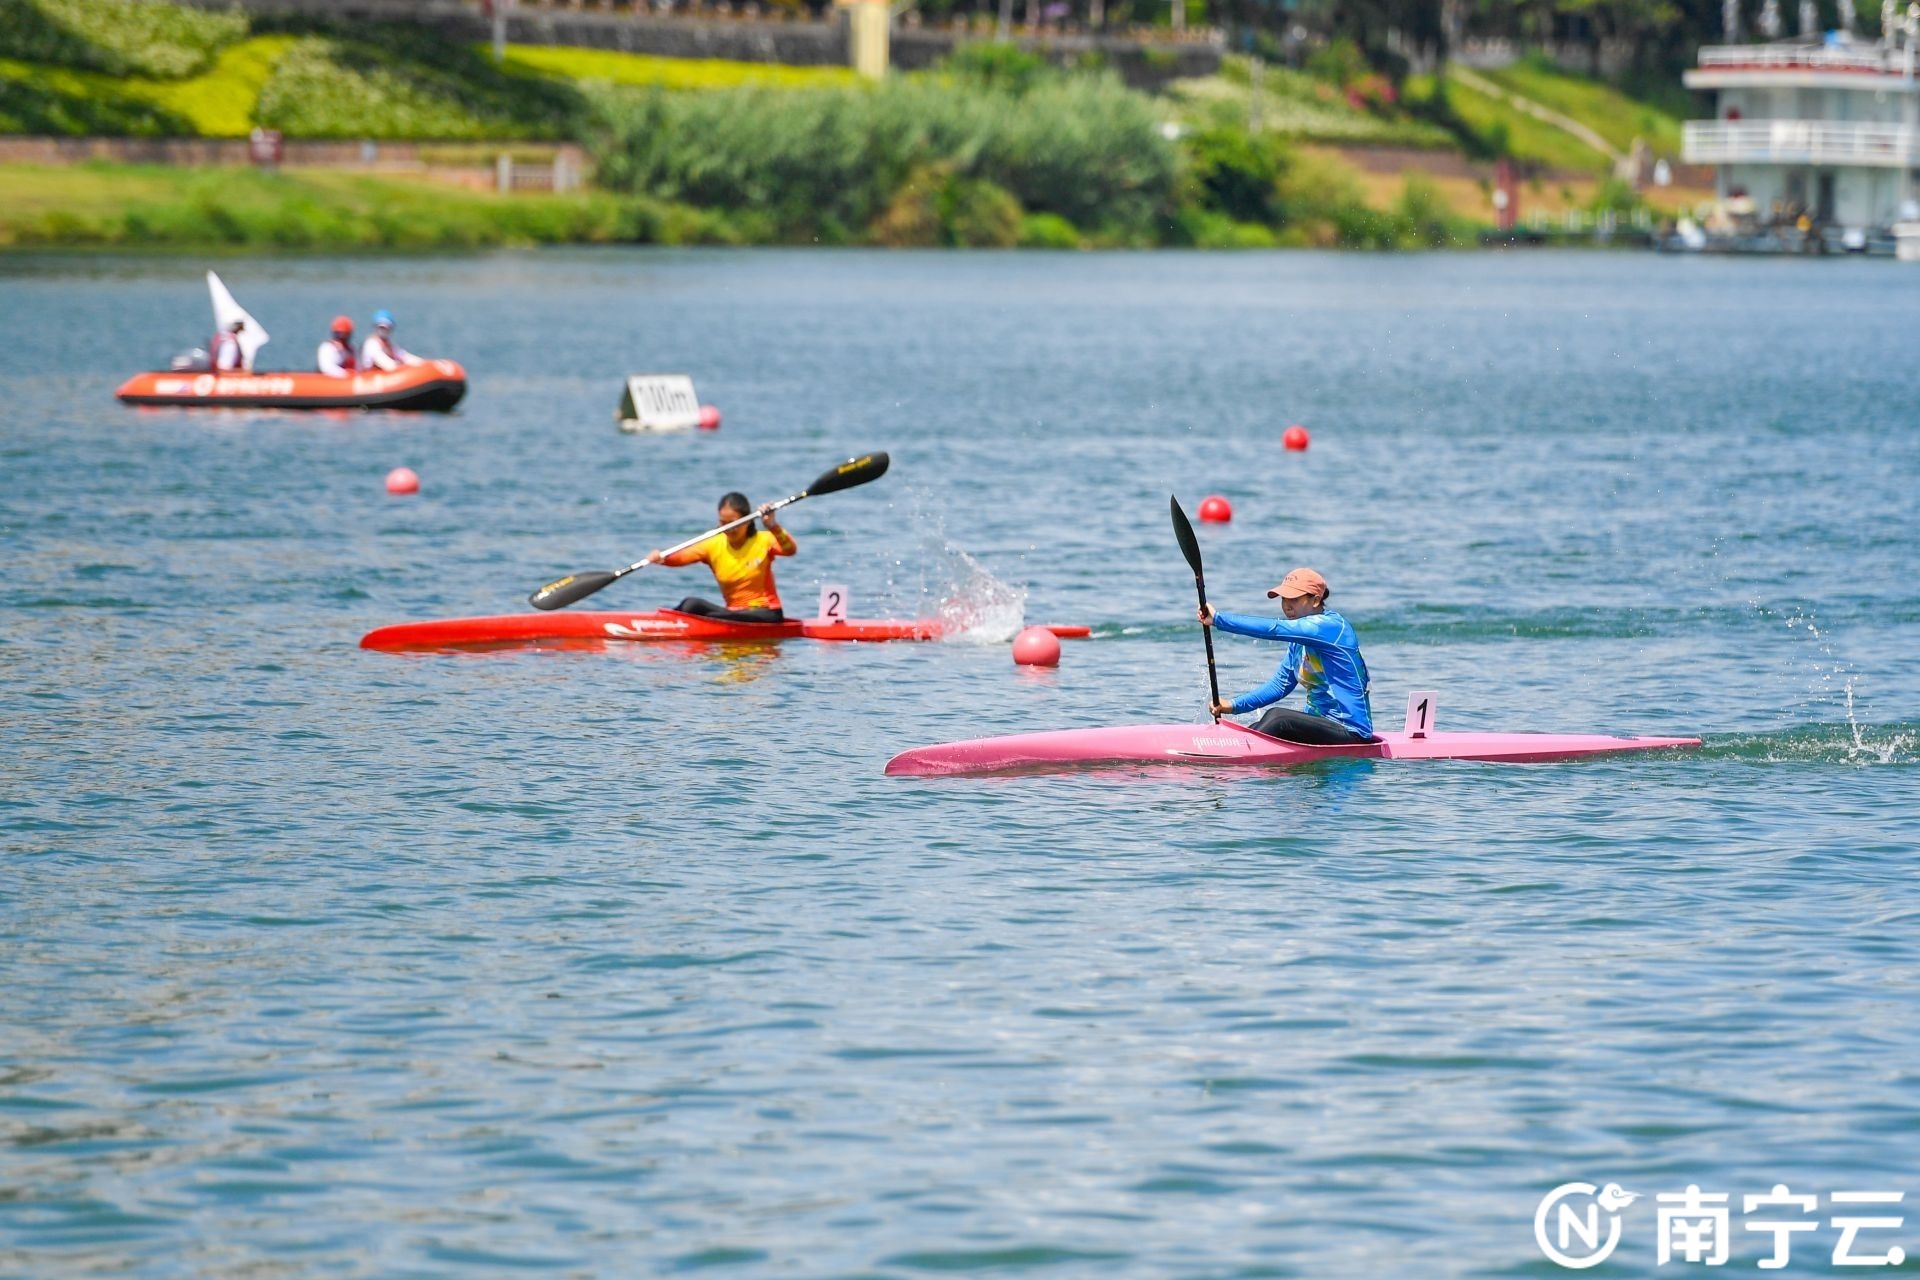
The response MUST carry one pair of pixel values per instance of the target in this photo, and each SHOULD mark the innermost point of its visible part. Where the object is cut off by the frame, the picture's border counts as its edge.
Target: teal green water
(321, 962)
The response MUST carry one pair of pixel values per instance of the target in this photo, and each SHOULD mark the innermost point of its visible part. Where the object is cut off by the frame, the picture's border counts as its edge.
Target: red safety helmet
(341, 324)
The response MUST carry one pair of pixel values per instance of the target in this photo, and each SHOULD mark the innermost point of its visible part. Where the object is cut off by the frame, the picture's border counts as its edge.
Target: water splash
(976, 607)
(1895, 748)
(944, 581)
(1834, 685)
(1832, 678)
(1851, 743)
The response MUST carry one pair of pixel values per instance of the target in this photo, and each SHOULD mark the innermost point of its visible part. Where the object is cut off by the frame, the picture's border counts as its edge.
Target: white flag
(226, 311)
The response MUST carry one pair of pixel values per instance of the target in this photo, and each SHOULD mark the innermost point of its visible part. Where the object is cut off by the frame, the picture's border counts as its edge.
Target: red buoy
(709, 418)
(1036, 647)
(402, 480)
(1216, 510)
(1296, 438)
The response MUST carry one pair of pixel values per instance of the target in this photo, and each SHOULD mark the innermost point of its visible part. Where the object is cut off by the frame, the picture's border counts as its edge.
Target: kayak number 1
(833, 603)
(1421, 706)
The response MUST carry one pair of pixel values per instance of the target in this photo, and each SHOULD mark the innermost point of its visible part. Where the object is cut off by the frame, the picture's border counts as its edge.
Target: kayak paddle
(1190, 547)
(578, 586)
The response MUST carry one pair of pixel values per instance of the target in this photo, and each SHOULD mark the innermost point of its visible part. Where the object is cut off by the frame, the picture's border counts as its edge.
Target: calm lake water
(322, 962)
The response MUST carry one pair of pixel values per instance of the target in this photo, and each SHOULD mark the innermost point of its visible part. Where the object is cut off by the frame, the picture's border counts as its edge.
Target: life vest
(217, 344)
(379, 344)
(345, 350)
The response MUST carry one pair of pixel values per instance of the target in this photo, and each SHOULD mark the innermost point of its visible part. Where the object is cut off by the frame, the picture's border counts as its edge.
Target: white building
(1827, 127)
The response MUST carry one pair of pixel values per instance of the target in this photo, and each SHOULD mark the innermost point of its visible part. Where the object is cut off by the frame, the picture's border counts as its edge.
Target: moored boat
(432, 385)
(1232, 744)
(600, 627)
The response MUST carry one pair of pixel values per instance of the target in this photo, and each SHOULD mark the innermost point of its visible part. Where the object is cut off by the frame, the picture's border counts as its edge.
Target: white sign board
(833, 603)
(1422, 704)
(659, 402)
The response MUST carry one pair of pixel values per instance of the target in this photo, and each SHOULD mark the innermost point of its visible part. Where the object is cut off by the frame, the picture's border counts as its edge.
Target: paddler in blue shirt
(1323, 657)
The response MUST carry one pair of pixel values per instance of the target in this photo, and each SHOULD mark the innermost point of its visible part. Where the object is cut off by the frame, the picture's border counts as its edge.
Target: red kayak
(598, 628)
(434, 385)
(1231, 744)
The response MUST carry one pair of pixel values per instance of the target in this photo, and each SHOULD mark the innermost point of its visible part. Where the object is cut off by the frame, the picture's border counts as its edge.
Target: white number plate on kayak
(833, 603)
(659, 402)
(1421, 706)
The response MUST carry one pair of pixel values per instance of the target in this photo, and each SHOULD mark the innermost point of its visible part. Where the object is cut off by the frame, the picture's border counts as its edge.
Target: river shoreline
(98, 207)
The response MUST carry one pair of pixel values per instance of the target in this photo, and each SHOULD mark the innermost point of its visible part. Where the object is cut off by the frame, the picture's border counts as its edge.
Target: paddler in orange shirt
(742, 562)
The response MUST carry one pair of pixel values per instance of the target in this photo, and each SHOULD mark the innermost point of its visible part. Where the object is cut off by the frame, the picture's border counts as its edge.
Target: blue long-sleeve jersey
(1323, 657)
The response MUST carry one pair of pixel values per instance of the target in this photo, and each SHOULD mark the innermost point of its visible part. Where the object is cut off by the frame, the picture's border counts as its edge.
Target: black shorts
(719, 613)
(1306, 729)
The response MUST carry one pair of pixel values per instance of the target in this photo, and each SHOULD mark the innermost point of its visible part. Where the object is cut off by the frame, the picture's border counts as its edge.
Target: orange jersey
(745, 572)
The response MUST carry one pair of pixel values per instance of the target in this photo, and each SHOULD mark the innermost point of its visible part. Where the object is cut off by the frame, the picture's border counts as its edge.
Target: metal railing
(1890, 146)
(1797, 58)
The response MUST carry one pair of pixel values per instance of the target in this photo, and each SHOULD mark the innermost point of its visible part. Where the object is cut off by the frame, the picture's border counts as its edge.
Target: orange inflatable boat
(433, 385)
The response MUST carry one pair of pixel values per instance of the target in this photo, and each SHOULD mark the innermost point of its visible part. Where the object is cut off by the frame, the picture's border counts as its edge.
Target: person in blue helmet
(1323, 657)
(380, 351)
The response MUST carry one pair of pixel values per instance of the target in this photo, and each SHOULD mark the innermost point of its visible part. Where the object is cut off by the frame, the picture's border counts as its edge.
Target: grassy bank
(995, 149)
(160, 208)
(143, 207)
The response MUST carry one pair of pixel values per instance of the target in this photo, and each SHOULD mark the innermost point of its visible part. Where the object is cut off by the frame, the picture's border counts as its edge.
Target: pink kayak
(1231, 744)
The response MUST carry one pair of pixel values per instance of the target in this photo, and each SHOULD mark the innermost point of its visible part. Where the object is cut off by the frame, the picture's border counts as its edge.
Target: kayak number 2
(833, 603)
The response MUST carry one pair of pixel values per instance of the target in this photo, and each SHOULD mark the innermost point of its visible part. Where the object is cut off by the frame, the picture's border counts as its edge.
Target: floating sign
(659, 402)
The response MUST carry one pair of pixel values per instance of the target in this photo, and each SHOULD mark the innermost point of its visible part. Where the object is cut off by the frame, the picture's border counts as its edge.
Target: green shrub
(980, 214)
(1616, 195)
(385, 86)
(938, 207)
(120, 37)
(1210, 229)
(831, 162)
(1239, 173)
(1423, 216)
(996, 65)
(1338, 63)
(911, 219)
(1047, 231)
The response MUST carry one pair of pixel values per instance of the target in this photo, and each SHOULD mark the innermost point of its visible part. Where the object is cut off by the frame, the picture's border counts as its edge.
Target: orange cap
(1301, 582)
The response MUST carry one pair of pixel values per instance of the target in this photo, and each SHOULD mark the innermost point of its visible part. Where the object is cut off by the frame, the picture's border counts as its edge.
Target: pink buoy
(1296, 438)
(402, 480)
(1036, 647)
(1216, 510)
(709, 418)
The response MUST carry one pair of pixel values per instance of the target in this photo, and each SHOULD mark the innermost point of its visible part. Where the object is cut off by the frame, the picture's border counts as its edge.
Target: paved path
(1527, 106)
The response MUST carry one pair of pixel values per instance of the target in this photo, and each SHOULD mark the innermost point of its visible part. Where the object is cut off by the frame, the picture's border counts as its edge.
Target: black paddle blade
(575, 586)
(1183, 530)
(868, 466)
